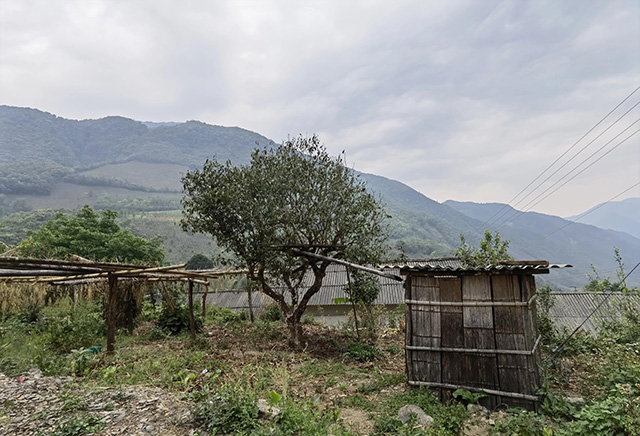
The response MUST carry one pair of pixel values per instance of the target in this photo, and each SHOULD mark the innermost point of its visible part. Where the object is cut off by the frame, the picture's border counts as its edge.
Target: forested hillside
(40, 149)
(49, 163)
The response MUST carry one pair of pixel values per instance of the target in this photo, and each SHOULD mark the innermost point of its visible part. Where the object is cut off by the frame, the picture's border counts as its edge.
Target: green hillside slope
(538, 236)
(48, 162)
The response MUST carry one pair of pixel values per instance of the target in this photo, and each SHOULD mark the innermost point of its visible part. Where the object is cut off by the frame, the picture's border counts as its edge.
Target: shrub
(178, 321)
(232, 410)
(272, 312)
(67, 326)
(362, 352)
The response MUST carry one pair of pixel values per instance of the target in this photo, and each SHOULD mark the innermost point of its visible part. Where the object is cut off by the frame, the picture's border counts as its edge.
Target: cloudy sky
(465, 100)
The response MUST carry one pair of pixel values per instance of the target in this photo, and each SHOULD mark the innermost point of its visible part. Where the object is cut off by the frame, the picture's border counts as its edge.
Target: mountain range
(49, 162)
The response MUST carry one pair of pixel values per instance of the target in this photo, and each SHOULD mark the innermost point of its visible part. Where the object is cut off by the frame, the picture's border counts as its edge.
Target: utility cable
(605, 299)
(527, 207)
(582, 215)
(520, 213)
(560, 157)
(567, 162)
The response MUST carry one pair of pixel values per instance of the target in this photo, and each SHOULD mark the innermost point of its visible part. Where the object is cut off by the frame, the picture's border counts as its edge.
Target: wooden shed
(474, 329)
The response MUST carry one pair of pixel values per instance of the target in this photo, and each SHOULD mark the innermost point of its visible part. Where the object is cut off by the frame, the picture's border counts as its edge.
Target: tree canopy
(96, 236)
(492, 251)
(291, 195)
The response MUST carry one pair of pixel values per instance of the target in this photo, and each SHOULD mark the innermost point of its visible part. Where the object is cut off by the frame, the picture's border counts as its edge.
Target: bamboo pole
(111, 312)
(192, 323)
(117, 273)
(344, 262)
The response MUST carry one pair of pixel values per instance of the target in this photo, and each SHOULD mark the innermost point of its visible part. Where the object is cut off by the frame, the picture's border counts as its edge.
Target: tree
(492, 251)
(96, 236)
(199, 261)
(291, 195)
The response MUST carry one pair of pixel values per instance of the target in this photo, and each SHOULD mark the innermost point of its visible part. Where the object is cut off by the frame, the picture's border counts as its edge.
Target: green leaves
(294, 194)
(93, 235)
(492, 251)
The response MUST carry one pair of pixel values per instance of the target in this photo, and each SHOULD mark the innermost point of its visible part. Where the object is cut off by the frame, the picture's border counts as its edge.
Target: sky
(461, 100)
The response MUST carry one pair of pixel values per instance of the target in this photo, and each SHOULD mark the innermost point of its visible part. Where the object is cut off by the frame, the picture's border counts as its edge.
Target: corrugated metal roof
(452, 265)
(571, 309)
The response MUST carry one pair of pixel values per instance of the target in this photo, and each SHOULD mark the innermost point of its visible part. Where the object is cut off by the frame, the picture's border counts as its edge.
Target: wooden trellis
(34, 273)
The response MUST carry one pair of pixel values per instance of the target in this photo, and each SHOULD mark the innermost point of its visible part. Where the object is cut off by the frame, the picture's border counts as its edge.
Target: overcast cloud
(461, 100)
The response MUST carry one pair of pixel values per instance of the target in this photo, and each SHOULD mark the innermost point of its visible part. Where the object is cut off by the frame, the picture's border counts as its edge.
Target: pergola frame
(72, 272)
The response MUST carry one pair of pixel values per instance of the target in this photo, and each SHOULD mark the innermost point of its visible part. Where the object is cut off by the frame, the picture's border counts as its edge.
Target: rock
(408, 412)
(267, 411)
(476, 408)
(576, 401)
(34, 373)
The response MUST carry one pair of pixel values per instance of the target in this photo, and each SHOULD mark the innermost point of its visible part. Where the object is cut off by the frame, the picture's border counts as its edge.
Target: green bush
(178, 321)
(449, 418)
(223, 316)
(232, 410)
(69, 326)
(272, 313)
(362, 352)
(523, 423)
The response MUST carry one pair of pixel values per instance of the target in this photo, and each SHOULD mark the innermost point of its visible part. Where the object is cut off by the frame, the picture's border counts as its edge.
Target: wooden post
(192, 324)
(250, 298)
(204, 301)
(353, 304)
(112, 300)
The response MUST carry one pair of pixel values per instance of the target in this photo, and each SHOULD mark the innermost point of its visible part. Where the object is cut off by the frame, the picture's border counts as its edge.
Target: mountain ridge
(125, 165)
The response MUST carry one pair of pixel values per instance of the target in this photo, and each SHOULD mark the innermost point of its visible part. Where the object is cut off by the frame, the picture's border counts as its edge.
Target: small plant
(522, 423)
(469, 397)
(272, 313)
(362, 352)
(393, 349)
(79, 424)
(231, 410)
(178, 321)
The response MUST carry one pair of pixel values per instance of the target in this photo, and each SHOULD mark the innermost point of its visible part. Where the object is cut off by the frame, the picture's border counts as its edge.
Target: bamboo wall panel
(459, 333)
(453, 333)
(427, 328)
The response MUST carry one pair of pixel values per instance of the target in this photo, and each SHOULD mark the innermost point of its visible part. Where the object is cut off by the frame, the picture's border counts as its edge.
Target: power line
(520, 213)
(527, 207)
(583, 149)
(565, 164)
(582, 215)
(560, 157)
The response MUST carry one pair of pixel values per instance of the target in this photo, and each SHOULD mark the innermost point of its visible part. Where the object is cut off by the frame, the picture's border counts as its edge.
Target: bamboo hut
(474, 329)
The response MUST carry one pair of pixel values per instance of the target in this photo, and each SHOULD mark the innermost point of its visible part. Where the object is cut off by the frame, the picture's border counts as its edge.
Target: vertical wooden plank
(452, 331)
(427, 328)
(408, 329)
(531, 332)
(481, 369)
(509, 327)
(112, 302)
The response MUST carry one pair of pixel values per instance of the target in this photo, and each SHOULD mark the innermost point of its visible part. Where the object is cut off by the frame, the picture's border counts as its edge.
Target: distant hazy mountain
(623, 216)
(48, 162)
(539, 236)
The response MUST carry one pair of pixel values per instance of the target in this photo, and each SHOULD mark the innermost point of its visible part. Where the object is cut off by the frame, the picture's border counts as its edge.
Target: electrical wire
(520, 213)
(575, 156)
(560, 157)
(605, 299)
(582, 215)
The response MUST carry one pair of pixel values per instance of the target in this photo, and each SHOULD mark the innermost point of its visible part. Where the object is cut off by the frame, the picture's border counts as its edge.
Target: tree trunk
(295, 331)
